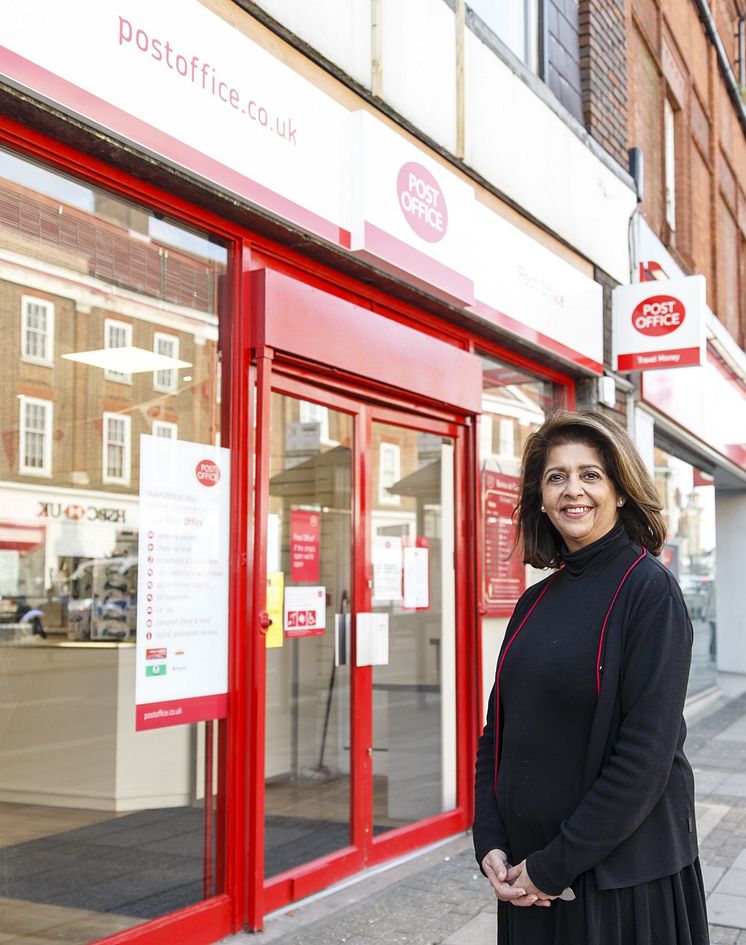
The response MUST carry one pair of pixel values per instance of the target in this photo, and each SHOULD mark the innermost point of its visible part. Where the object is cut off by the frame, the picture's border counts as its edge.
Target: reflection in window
(85, 275)
(688, 497)
(37, 330)
(389, 472)
(117, 335)
(116, 448)
(167, 345)
(36, 440)
(514, 404)
(168, 431)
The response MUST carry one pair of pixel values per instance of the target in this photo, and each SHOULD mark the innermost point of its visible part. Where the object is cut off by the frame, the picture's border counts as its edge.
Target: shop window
(117, 448)
(90, 275)
(167, 345)
(169, 431)
(389, 472)
(37, 330)
(117, 335)
(514, 403)
(515, 23)
(35, 436)
(688, 497)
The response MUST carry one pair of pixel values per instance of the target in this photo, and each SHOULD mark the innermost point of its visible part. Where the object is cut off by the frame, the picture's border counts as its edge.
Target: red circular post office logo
(207, 472)
(422, 202)
(658, 315)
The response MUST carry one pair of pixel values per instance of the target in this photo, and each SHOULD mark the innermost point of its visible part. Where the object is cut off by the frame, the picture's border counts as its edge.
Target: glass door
(360, 704)
(411, 547)
(309, 584)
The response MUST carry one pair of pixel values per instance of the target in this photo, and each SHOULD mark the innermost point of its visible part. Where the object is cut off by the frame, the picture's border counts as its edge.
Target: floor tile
(723, 909)
(733, 882)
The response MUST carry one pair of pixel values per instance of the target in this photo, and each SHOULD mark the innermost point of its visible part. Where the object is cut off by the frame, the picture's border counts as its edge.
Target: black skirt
(668, 911)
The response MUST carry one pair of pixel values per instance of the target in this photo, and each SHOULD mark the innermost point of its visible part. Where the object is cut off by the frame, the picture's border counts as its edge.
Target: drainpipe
(742, 51)
(731, 83)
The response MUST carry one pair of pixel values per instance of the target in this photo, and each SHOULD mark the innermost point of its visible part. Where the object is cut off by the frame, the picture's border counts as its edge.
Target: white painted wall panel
(339, 29)
(519, 144)
(419, 65)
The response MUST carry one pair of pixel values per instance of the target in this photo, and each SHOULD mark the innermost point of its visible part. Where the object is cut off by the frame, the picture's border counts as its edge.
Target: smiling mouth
(576, 510)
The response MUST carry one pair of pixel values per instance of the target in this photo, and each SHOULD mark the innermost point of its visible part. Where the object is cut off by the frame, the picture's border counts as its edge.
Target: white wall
(339, 29)
(730, 589)
(419, 65)
(512, 138)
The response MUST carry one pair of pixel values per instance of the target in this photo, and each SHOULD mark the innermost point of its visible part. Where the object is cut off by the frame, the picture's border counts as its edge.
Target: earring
(543, 509)
(620, 502)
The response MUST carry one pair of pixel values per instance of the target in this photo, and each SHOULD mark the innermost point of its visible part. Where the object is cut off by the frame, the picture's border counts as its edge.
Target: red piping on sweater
(606, 620)
(520, 627)
(500, 666)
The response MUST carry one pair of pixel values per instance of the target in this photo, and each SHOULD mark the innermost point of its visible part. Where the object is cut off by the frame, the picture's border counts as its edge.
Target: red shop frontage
(263, 407)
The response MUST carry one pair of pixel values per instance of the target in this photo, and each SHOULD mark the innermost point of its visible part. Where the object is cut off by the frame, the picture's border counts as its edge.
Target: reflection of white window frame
(506, 445)
(117, 335)
(32, 335)
(40, 413)
(169, 431)
(309, 412)
(389, 472)
(166, 380)
(121, 425)
(669, 156)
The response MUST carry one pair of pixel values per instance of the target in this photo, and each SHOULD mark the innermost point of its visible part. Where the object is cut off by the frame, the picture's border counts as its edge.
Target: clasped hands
(512, 883)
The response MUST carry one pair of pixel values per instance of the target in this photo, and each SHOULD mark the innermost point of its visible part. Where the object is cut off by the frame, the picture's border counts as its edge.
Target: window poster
(182, 584)
(305, 546)
(275, 587)
(416, 583)
(305, 611)
(388, 563)
(504, 574)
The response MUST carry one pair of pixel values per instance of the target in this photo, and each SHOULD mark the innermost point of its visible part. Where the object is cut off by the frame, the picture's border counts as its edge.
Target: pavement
(438, 897)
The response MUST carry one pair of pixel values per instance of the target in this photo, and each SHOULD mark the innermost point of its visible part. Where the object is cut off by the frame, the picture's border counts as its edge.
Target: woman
(581, 779)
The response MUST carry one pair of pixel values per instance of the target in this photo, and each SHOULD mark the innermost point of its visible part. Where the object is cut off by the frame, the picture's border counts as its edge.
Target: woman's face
(577, 495)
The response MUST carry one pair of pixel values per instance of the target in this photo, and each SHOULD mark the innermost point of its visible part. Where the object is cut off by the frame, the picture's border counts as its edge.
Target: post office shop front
(260, 440)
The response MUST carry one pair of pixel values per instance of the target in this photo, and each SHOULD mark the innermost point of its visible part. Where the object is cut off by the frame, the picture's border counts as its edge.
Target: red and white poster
(416, 576)
(659, 324)
(305, 547)
(504, 575)
(305, 611)
(182, 583)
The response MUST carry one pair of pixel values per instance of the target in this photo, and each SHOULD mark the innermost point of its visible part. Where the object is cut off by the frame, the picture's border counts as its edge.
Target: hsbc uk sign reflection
(659, 324)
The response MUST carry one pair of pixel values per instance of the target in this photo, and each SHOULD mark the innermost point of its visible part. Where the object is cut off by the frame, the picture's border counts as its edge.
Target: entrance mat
(147, 863)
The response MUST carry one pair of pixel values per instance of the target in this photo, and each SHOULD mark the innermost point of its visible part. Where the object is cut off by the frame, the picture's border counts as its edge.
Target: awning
(21, 537)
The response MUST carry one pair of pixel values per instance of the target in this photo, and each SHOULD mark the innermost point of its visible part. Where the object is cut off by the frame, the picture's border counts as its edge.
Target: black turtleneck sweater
(588, 705)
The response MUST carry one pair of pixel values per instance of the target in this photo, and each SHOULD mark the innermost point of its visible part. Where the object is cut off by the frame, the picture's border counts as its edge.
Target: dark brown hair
(641, 512)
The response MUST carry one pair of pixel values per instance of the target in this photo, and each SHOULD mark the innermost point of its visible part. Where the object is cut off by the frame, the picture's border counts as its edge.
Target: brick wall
(603, 73)
(671, 57)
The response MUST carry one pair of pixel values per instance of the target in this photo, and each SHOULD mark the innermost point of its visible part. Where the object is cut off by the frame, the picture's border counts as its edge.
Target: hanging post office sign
(659, 324)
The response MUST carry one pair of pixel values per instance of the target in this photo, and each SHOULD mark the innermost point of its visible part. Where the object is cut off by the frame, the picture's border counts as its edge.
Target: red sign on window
(504, 575)
(305, 547)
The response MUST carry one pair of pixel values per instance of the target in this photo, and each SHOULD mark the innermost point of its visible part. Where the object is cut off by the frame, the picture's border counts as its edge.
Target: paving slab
(481, 930)
(723, 909)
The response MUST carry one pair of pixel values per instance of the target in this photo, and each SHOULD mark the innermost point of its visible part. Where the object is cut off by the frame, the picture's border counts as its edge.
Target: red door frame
(242, 902)
(365, 407)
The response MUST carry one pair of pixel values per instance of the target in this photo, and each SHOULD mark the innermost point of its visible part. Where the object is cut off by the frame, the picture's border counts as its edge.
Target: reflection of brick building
(77, 283)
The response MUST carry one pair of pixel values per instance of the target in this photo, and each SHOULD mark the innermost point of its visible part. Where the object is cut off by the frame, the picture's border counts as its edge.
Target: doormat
(147, 863)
